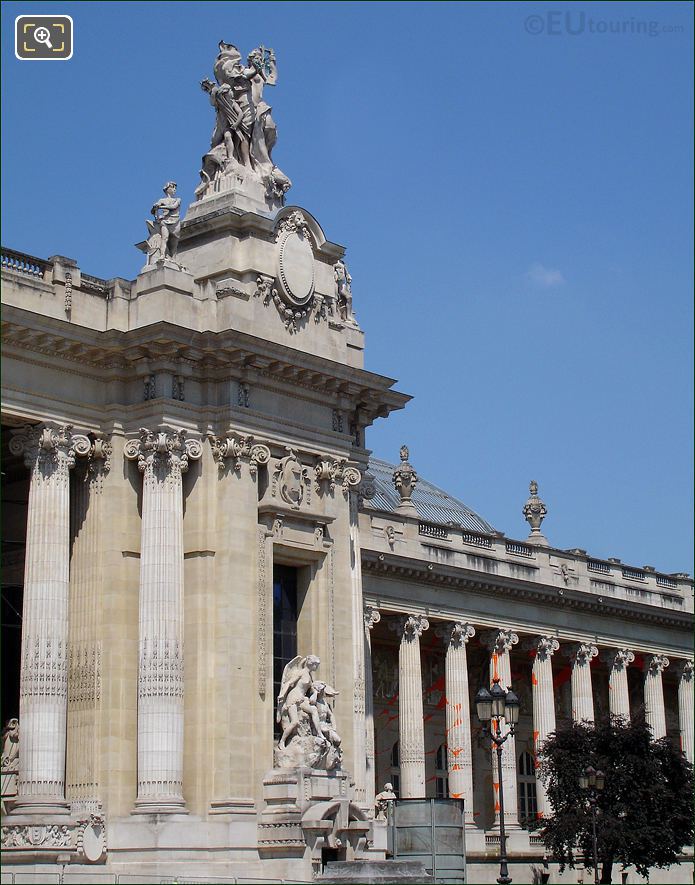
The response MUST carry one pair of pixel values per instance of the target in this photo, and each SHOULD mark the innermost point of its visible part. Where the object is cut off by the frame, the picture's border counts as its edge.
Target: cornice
(450, 578)
(210, 351)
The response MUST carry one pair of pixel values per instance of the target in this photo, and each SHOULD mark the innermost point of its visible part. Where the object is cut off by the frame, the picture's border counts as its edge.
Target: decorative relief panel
(82, 840)
(291, 480)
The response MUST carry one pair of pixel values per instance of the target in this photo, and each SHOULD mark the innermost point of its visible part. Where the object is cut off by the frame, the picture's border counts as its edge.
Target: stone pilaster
(49, 453)
(458, 715)
(654, 711)
(371, 617)
(543, 705)
(686, 720)
(162, 456)
(359, 721)
(411, 729)
(499, 643)
(84, 653)
(618, 660)
(580, 655)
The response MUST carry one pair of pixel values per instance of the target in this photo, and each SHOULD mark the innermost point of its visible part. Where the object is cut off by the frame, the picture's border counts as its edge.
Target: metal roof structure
(432, 503)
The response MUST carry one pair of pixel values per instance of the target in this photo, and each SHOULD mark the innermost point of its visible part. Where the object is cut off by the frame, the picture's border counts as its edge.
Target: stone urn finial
(534, 513)
(405, 480)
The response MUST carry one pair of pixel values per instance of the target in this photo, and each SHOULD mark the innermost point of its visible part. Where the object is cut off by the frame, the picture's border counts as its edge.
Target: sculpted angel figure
(10, 744)
(294, 699)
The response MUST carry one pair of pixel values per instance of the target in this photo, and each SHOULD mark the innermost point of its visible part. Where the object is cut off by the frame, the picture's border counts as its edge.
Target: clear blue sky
(516, 208)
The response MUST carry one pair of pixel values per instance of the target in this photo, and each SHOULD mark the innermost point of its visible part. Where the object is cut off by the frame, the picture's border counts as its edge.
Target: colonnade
(162, 455)
(499, 642)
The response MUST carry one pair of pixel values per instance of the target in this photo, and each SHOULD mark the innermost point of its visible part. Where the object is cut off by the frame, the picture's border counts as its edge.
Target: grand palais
(226, 628)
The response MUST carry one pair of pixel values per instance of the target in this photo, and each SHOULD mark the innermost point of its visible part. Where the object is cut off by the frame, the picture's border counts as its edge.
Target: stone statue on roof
(245, 132)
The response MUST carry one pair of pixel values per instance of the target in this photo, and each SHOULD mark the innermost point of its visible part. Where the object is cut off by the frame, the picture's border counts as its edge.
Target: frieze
(83, 840)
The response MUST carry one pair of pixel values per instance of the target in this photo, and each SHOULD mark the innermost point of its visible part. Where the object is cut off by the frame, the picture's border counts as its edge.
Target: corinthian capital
(233, 448)
(544, 646)
(656, 664)
(456, 634)
(581, 653)
(164, 448)
(618, 658)
(49, 446)
(684, 670)
(499, 641)
(410, 627)
(371, 616)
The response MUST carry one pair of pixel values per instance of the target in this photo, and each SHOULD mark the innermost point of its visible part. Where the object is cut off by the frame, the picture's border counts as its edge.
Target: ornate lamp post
(492, 706)
(593, 781)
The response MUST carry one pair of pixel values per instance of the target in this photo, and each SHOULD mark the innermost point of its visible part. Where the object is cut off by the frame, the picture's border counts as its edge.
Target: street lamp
(593, 781)
(493, 705)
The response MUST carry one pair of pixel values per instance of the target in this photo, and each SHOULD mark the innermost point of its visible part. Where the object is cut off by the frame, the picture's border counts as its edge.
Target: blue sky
(516, 208)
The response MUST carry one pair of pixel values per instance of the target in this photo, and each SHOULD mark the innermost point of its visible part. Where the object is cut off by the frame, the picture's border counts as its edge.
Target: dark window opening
(284, 624)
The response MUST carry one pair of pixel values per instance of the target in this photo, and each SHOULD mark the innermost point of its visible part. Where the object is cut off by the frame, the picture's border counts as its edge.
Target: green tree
(644, 814)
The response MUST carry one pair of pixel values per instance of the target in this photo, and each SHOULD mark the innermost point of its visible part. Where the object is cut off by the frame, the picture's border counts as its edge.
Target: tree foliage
(644, 815)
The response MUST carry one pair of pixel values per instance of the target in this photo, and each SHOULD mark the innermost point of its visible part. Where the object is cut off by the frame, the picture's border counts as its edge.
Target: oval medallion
(296, 268)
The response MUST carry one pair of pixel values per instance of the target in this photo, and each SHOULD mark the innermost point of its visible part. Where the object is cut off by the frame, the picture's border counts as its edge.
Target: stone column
(543, 705)
(618, 661)
(83, 787)
(371, 617)
(49, 452)
(654, 711)
(411, 728)
(458, 715)
(686, 720)
(581, 654)
(500, 642)
(162, 457)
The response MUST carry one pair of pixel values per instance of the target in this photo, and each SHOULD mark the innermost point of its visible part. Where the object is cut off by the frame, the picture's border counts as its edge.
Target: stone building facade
(190, 505)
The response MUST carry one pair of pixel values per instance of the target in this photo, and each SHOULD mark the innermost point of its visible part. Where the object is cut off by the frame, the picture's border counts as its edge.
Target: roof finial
(534, 513)
(405, 480)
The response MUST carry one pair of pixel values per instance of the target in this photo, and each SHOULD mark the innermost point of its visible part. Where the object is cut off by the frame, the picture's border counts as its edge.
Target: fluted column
(49, 453)
(458, 715)
(371, 617)
(618, 660)
(411, 728)
(580, 655)
(84, 655)
(686, 720)
(543, 705)
(654, 711)
(500, 642)
(162, 457)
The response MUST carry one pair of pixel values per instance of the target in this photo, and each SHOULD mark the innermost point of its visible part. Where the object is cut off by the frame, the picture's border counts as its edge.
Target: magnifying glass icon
(43, 35)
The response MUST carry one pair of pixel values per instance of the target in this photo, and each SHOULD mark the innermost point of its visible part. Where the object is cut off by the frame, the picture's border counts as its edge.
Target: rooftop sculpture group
(309, 737)
(245, 132)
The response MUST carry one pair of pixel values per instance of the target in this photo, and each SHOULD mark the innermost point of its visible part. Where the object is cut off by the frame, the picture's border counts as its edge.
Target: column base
(163, 805)
(46, 806)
